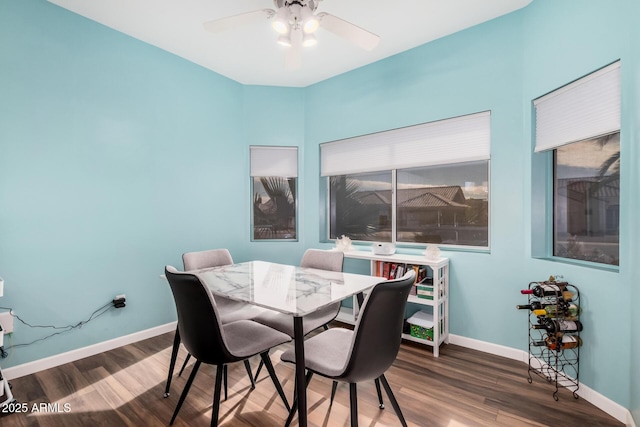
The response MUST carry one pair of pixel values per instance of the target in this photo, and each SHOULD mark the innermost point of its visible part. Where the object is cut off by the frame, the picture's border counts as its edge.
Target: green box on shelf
(421, 332)
(421, 325)
(424, 291)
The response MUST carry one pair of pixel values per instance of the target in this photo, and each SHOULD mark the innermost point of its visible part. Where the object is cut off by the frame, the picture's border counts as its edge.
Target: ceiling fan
(296, 22)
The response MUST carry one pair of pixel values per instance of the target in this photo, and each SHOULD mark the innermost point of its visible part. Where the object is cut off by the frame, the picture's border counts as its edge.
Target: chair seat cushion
(325, 353)
(284, 323)
(246, 338)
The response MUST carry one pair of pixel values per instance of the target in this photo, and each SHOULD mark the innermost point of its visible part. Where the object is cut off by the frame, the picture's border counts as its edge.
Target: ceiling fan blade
(223, 24)
(356, 35)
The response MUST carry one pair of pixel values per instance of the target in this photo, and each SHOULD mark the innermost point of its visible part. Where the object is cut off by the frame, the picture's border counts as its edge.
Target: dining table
(292, 290)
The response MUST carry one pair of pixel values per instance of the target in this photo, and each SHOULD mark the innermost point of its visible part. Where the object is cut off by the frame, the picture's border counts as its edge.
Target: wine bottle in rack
(562, 309)
(554, 326)
(542, 291)
(534, 305)
(546, 289)
(559, 342)
(563, 342)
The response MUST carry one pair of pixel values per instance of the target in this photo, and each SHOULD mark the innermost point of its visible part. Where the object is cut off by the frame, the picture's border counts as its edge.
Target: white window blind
(586, 108)
(456, 140)
(274, 161)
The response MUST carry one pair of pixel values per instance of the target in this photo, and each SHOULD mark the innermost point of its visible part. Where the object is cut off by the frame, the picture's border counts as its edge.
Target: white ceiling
(250, 54)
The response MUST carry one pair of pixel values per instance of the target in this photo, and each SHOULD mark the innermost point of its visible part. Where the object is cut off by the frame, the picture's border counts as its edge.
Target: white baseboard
(485, 347)
(612, 408)
(80, 353)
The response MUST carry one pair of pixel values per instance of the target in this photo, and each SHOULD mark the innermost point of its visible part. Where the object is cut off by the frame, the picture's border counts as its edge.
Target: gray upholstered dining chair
(228, 309)
(212, 342)
(312, 258)
(365, 353)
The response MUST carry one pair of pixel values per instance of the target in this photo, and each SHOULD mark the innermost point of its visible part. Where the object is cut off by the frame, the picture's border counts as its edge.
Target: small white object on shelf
(343, 244)
(432, 252)
(383, 248)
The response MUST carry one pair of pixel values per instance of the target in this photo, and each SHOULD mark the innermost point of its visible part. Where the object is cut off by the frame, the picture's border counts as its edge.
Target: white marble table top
(292, 290)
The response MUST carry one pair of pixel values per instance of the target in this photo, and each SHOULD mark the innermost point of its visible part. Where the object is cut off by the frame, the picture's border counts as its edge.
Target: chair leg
(215, 411)
(184, 365)
(392, 398)
(294, 406)
(353, 401)
(379, 393)
(334, 387)
(272, 373)
(258, 371)
(224, 370)
(247, 365)
(185, 391)
(172, 363)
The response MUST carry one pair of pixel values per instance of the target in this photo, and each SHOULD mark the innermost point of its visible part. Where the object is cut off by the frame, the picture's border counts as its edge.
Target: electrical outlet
(6, 320)
(120, 301)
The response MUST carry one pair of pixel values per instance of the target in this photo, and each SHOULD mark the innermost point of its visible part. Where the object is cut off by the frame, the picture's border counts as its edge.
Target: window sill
(408, 249)
(580, 263)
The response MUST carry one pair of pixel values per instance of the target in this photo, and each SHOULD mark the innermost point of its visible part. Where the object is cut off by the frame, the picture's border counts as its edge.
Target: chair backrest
(206, 259)
(378, 330)
(323, 260)
(198, 318)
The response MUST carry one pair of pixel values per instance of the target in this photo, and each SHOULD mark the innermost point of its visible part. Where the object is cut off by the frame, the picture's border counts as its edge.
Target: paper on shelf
(421, 318)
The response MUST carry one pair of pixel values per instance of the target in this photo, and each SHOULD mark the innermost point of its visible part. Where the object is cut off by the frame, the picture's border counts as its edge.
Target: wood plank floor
(124, 387)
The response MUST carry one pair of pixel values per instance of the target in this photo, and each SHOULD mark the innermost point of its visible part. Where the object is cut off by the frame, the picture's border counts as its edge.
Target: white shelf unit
(440, 303)
(6, 397)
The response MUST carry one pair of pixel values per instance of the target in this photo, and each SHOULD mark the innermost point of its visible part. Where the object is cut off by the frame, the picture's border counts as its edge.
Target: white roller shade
(456, 140)
(274, 161)
(586, 108)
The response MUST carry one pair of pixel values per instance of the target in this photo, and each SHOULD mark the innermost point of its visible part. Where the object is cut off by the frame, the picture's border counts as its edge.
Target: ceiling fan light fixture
(310, 22)
(281, 21)
(284, 40)
(309, 40)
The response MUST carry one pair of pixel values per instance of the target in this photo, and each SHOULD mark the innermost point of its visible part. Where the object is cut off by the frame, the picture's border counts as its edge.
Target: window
(579, 125)
(274, 172)
(587, 200)
(422, 184)
(445, 204)
(360, 206)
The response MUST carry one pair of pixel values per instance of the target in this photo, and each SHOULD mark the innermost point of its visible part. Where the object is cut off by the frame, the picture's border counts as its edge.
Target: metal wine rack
(559, 366)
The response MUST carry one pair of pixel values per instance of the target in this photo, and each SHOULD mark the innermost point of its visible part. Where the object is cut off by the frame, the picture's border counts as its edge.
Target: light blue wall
(631, 168)
(116, 157)
(501, 66)
(568, 40)
(633, 183)
(475, 70)
(275, 116)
